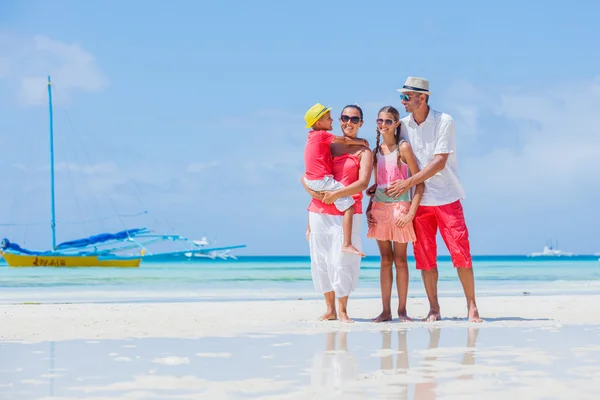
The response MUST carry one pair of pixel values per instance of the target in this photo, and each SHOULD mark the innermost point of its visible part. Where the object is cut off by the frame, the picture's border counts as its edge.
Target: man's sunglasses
(388, 122)
(346, 118)
(407, 97)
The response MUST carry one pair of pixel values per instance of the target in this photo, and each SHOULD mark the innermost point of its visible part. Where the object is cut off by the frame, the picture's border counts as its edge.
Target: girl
(389, 219)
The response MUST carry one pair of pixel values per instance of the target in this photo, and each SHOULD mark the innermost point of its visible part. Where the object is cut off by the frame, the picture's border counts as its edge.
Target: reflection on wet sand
(335, 367)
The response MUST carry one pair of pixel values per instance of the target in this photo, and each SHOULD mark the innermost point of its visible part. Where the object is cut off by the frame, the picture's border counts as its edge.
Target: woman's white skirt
(332, 269)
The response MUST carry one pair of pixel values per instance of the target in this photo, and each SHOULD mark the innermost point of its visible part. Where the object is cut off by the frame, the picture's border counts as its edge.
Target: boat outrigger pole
(53, 215)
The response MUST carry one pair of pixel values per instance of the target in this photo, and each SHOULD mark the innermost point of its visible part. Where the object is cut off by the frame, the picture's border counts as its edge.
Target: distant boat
(550, 251)
(105, 249)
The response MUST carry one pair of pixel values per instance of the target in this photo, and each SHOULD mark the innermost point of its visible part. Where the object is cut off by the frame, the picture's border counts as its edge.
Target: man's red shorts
(451, 221)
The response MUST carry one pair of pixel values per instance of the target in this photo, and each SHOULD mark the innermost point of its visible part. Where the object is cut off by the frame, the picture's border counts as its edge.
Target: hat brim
(311, 123)
(404, 90)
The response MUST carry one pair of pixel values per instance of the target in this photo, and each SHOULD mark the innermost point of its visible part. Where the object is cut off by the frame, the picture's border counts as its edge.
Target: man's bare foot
(345, 318)
(328, 316)
(403, 317)
(351, 249)
(383, 317)
(474, 314)
(433, 315)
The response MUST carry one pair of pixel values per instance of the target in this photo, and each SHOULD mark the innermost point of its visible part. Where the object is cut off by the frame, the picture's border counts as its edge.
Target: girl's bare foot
(328, 316)
(345, 318)
(474, 314)
(434, 315)
(403, 317)
(383, 317)
(351, 249)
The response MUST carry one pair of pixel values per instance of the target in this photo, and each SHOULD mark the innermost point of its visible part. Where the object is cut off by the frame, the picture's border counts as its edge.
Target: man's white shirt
(435, 135)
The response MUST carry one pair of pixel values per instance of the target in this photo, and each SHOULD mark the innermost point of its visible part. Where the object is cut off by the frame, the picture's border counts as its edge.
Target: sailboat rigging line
(137, 190)
(87, 156)
(23, 188)
(90, 189)
(89, 221)
(70, 178)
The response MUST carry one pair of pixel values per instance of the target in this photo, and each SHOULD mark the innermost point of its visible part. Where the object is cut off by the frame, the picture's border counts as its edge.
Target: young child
(318, 175)
(390, 219)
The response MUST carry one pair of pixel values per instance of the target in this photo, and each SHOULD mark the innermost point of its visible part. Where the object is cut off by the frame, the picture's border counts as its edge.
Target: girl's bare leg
(385, 278)
(401, 263)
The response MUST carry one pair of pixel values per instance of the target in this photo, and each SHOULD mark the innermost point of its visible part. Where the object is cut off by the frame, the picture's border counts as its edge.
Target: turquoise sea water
(263, 278)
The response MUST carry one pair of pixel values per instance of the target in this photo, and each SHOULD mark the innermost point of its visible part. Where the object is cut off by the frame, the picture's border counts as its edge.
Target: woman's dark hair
(356, 107)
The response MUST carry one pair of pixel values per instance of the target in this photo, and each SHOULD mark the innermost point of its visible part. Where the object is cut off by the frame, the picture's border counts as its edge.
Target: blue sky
(194, 112)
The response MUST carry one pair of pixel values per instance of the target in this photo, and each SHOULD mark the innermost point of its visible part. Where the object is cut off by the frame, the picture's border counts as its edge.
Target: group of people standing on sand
(416, 190)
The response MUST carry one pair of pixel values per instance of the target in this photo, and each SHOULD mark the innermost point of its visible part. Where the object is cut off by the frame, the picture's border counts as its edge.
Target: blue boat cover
(101, 238)
(8, 245)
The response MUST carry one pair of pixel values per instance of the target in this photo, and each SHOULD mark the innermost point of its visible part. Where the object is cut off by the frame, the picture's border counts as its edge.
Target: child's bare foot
(328, 316)
(351, 249)
(345, 318)
(383, 317)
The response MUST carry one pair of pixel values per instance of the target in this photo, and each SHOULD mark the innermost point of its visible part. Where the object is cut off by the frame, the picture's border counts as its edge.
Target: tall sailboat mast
(52, 210)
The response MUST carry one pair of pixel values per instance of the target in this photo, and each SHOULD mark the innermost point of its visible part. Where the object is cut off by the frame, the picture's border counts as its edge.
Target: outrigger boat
(124, 249)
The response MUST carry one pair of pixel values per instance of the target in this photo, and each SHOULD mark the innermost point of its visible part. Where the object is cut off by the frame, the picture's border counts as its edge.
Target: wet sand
(528, 347)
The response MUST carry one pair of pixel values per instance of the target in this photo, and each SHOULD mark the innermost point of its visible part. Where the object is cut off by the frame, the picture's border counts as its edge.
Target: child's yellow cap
(314, 113)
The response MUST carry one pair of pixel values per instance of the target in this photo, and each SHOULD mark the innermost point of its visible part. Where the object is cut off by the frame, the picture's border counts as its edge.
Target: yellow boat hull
(24, 260)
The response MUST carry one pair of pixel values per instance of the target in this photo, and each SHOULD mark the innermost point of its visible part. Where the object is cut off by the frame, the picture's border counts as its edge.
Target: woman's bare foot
(328, 316)
(474, 314)
(345, 318)
(383, 317)
(434, 315)
(403, 317)
(348, 248)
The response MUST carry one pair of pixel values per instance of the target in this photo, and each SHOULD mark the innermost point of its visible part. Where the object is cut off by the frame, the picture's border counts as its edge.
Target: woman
(335, 273)
(390, 219)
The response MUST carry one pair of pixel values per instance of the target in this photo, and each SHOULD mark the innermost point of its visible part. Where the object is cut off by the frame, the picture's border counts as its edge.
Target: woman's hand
(404, 220)
(330, 197)
(315, 195)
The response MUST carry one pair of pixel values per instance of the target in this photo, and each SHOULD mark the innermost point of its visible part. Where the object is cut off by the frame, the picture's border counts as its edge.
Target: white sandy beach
(43, 322)
(528, 347)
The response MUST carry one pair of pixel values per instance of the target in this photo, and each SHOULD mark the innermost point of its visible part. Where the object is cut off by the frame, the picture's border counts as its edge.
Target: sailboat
(105, 249)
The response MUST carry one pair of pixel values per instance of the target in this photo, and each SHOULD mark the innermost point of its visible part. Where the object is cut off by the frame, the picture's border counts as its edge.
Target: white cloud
(559, 132)
(27, 61)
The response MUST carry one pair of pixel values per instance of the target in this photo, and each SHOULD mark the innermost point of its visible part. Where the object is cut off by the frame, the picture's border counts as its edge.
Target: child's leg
(401, 278)
(347, 246)
(386, 278)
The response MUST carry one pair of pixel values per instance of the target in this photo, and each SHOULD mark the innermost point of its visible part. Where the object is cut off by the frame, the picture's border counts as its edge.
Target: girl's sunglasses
(346, 118)
(388, 122)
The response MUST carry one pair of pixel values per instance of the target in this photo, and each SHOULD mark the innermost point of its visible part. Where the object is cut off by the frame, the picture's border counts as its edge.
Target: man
(432, 135)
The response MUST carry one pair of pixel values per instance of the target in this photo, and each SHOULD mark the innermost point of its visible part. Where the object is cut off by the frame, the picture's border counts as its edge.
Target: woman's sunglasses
(388, 122)
(346, 118)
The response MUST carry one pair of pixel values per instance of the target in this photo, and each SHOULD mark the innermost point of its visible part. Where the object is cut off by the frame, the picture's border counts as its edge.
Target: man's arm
(444, 146)
(436, 165)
